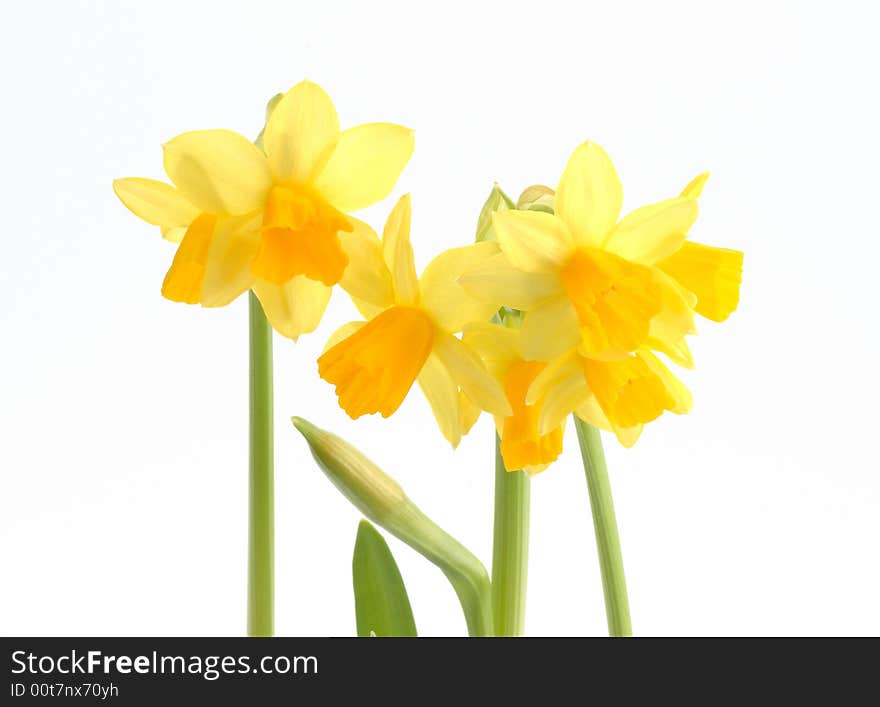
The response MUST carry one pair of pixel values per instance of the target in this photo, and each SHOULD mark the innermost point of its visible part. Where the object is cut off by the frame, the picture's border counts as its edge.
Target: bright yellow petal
(398, 253)
(695, 187)
(443, 396)
(468, 372)
(468, 413)
(301, 133)
(175, 235)
(235, 245)
(449, 304)
(366, 277)
(155, 202)
(589, 195)
(683, 400)
(562, 399)
(532, 240)
(218, 170)
(550, 330)
(294, 308)
(560, 369)
(496, 345)
(495, 280)
(365, 165)
(341, 333)
(653, 232)
(712, 274)
(183, 282)
(591, 413)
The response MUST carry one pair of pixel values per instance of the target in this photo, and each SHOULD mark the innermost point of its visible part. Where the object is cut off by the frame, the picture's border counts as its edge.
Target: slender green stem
(605, 523)
(261, 488)
(510, 552)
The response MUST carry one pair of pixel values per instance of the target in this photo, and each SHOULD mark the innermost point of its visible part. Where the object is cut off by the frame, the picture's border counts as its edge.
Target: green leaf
(380, 599)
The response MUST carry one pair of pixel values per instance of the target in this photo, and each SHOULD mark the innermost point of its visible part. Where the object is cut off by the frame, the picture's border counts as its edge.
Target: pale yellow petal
(674, 321)
(550, 330)
(175, 235)
(496, 345)
(589, 196)
(398, 253)
(495, 280)
(228, 274)
(653, 232)
(443, 396)
(468, 413)
(449, 304)
(365, 165)
(366, 276)
(301, 133)
(341, 333)
(468, 372)
(532, 240)
(157, 203)
(562, 368)
(562, 399)
(366, 309)
(218, 170)
(695, 187)
(294, 308)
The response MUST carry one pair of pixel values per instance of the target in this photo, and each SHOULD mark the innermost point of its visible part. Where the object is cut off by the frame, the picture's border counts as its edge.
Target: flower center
(615, 301)
(183, 283)
(299, 237)
(374, 368)
(521, 445)
(628, 391)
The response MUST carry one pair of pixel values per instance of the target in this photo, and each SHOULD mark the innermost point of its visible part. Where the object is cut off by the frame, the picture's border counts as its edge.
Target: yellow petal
(495, 280)
(301, 133)
(674, 321)
(218, 170)
(653, 232)
(550, 330)
(496, 345)
(695, 187)
(629, 391)
(183, 283)
(155, 202)
(366, 277)
(589, 195)
(175, 235)
(449, 304)
(532, 240)
(341, 333)
(554, 373)
(294, 308)
(468, 413)
(374, 368)
(591, 413)
(398, 253)
(443, 396)
(365, 165)
(562, 399)
(468, 372)
(235, 245)
(712, 274)
(683, 401)
(366, 309)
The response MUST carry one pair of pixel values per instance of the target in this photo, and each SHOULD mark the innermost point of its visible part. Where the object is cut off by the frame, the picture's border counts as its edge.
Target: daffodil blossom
(269, 219)
(409, 330)
(523, 445)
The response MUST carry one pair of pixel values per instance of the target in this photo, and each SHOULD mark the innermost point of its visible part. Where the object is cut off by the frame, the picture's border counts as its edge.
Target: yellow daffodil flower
(523, 445)
(269, 219)
(409, 330)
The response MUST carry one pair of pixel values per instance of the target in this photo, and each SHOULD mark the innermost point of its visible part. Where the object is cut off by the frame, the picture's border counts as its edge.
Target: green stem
(605, 523)
(261, 491)
(510, 553)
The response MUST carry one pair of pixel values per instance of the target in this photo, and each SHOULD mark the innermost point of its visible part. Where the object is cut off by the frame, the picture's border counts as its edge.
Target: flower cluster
(581, 300)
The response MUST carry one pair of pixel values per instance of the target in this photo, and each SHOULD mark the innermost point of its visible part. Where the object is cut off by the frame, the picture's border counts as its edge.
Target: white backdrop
(124, 416)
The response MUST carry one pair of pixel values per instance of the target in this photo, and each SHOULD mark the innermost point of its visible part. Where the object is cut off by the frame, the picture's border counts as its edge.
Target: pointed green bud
(370, 490)
(380, 498)
(536, 198)
(497, 201)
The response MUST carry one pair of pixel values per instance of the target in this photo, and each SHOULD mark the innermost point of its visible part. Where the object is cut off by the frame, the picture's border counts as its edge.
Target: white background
(123, 425)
